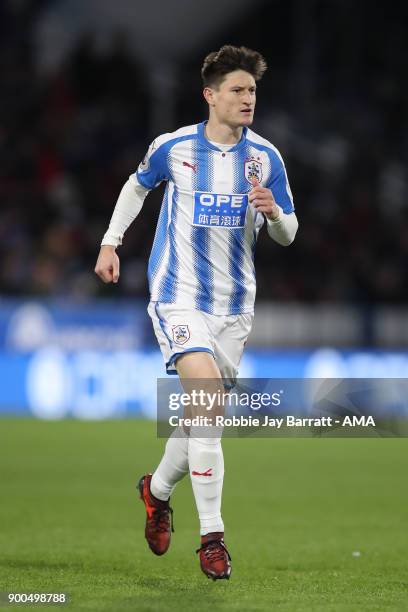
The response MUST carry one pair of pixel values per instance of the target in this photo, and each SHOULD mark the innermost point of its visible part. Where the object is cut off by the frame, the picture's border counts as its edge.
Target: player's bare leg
(199, 371)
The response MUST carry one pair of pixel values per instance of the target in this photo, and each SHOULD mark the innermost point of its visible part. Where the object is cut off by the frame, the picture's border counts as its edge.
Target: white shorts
(182, 330)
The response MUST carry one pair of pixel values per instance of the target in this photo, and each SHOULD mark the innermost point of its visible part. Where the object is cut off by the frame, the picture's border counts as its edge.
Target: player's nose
(247, 99)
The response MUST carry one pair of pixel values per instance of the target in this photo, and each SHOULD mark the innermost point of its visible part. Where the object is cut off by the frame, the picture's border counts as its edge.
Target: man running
(222, 182)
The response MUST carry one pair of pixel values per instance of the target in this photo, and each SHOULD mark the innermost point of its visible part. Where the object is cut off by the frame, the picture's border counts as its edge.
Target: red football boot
(159, 519)
(214, 556)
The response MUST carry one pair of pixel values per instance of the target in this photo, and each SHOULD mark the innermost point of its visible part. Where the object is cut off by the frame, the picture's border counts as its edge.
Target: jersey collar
(203, 140)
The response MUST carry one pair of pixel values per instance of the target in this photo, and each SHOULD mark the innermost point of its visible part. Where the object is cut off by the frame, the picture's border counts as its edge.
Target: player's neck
(222, 133)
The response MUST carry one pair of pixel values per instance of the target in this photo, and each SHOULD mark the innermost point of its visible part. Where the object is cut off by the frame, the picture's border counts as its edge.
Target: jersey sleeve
(128, 206)
(279, 185)
(153, 169)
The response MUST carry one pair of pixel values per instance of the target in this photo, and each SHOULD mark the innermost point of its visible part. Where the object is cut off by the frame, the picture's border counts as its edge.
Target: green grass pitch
(295, 511)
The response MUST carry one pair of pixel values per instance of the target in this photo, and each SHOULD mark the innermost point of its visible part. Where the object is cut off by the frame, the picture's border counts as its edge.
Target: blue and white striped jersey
(203, 251)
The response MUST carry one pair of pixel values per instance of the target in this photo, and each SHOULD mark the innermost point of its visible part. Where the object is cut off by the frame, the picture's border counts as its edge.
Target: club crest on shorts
(181, 334)
(253, 169)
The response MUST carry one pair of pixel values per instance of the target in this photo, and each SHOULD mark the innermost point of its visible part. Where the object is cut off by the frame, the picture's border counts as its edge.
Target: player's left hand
(263, 201)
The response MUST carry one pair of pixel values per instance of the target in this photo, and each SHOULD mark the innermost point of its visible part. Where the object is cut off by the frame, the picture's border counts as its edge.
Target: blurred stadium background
(87, 85)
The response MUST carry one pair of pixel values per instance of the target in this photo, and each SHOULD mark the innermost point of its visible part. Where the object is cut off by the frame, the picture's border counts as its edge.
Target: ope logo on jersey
(219, 209)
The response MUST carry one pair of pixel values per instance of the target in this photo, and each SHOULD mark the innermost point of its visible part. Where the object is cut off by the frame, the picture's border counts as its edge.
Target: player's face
(233, 102)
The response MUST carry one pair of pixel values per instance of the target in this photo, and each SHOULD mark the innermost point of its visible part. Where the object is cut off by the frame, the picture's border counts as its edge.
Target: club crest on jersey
(181, 334)
(253, 169)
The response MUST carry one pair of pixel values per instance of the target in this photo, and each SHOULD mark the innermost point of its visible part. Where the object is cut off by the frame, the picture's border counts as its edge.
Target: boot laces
(214, 550)
(161, 518)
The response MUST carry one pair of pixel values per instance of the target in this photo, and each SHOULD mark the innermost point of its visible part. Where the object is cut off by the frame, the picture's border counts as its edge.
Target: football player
(223, 183)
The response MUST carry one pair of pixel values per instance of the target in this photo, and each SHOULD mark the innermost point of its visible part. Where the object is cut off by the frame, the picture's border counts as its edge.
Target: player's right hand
(107, 265)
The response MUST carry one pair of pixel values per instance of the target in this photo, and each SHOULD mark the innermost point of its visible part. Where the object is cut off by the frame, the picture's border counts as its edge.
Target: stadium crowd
(70, 139)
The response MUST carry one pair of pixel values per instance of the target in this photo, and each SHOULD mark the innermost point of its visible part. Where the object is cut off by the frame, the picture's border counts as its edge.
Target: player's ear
(208, 94)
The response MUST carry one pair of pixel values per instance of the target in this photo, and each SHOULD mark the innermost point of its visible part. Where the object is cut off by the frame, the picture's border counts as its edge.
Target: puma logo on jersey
(206, 473)
(192, 166)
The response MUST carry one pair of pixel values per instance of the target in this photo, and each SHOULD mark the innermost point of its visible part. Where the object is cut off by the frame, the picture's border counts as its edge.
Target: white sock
(173, 466)
(206, 457)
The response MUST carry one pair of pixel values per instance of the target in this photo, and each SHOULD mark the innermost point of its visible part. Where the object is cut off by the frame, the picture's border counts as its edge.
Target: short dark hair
(229, 58)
